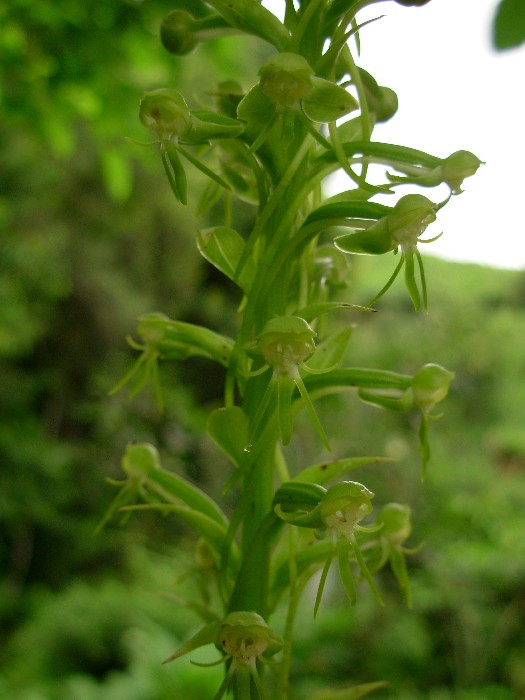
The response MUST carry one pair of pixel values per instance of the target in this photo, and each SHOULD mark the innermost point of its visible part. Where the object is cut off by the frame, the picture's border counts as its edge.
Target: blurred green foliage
(509, 24)
(89, 239)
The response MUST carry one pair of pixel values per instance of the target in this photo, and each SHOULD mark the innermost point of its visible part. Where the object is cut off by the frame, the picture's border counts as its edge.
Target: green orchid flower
(396, 528)
(165, 113)
(398, 231)
(285, 343)
(340, 509)
(244, 639)
(288, 90)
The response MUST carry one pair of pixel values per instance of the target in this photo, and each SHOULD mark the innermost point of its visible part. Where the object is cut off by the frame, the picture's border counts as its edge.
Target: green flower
(244, 639)
(398, 231)
(285, 343)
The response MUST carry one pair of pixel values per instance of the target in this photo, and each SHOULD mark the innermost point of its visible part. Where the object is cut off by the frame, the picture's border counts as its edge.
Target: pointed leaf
(206, 635)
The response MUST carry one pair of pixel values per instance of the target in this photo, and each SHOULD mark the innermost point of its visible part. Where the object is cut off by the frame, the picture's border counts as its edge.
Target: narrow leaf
(324, 472)
(206, 635)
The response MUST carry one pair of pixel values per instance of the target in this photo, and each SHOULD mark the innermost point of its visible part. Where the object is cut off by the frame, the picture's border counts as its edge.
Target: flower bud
(285, 79)
(177, 34)
(166, 113)
(430, 385)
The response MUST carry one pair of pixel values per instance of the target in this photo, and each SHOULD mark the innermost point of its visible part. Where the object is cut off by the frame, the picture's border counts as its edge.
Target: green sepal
(327, 101)
(203, 168)
(345, 572)
(411, 283)
(144, 370)
(223, 247)
(127, 495)
(322, 582)
(365, 570)
(206, 635)
(175, 173)
(399, 569)
(312, 413)
(285, 391)
(229, 429)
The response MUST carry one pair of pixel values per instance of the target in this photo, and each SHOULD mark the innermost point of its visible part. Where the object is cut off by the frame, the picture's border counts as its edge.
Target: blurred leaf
(508, 29)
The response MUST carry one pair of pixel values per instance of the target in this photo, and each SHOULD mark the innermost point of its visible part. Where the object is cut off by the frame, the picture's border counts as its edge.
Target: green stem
(260, 526)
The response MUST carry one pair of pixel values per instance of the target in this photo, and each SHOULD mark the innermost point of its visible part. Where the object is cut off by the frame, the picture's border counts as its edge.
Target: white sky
(456, 93)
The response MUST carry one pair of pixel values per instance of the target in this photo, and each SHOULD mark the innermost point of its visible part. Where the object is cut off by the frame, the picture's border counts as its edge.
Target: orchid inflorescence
(308, 112)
